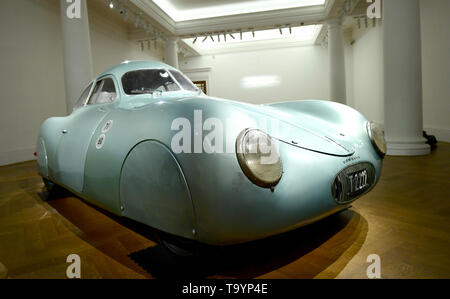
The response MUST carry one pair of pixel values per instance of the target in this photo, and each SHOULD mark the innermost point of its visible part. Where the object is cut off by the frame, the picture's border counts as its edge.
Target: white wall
(302, 73)
(31, 64)
(31, 76)
(436, 66)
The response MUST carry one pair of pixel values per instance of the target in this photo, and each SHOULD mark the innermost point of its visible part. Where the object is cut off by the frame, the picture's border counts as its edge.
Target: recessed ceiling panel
(305, 35)
(185, 10)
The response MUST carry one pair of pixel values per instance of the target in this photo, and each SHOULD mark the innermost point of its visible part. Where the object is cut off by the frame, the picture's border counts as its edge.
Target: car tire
(178, 246)
(53, 189)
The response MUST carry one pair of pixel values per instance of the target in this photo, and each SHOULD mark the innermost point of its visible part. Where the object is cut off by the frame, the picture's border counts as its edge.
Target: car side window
(82, 100)
(104, 92)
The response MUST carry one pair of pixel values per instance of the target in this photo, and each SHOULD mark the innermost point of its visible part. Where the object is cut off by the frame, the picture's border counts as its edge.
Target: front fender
(231, 209)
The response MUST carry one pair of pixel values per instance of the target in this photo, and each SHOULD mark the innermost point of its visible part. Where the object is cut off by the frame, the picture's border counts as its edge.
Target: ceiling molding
(322, 35)
(310, 14)
(157, 14)
(191, 51)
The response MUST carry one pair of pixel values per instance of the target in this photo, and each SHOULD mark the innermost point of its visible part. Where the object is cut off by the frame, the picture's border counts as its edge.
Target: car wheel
(52, 189)
(178, 246)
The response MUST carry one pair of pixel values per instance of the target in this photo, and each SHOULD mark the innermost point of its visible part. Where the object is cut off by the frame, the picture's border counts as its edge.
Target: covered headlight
(259, 158)
(376, 136)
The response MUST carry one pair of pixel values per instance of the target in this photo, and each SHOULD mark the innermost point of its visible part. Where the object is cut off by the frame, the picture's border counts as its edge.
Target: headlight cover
(377, 138)
(259, 158)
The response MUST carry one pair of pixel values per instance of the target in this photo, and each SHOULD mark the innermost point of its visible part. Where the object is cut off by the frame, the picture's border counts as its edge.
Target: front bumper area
(237, 211)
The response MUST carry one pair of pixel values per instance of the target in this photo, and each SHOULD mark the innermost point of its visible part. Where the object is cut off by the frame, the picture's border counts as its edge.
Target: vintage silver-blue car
(143, 142)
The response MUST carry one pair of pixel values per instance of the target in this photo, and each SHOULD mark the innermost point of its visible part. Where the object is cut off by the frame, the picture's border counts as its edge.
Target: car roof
(127, 66)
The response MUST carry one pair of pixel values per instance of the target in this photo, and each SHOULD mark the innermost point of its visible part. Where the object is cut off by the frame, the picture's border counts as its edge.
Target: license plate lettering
(357, 181)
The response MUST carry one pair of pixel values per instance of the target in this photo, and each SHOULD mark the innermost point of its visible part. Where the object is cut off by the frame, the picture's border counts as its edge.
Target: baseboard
(17, 156)
(441, 134)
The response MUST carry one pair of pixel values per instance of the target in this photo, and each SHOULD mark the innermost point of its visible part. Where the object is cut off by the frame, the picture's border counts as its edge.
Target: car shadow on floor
(302, 253)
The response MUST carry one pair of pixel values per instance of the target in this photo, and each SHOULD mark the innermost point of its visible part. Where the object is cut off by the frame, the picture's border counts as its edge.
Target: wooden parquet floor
(405, 220)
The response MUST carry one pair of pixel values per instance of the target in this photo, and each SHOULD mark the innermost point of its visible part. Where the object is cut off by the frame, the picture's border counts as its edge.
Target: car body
(116, 151)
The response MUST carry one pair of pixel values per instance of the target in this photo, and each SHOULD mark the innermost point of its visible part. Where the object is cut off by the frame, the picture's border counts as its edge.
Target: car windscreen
(184, 81)
(148, 81)
(82, 100)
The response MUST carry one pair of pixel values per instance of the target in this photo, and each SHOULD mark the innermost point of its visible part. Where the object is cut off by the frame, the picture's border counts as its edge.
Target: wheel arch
(153, 189)
(42, 158)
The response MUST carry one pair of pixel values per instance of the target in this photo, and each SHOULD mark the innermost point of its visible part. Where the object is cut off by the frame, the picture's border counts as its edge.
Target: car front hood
(310, 133)
(292, 127)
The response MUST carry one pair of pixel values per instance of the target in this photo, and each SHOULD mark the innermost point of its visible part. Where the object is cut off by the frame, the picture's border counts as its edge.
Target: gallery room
(250, 139)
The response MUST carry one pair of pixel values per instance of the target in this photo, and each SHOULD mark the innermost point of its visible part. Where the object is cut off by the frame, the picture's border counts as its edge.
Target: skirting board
(441, 134)
(17, 156)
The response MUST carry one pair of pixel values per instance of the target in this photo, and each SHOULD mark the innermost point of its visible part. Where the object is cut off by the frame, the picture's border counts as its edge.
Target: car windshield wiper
(145, 91)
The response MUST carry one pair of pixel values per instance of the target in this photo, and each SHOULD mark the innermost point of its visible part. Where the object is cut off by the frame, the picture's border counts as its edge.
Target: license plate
(357, 181)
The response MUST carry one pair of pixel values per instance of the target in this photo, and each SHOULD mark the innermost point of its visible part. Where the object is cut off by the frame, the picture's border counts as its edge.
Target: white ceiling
(186, 10)
(189, 19)
(194, 17)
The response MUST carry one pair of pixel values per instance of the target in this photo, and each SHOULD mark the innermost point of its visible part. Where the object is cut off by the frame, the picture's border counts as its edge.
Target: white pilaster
(403, 78)
(77, 52)
(171, 51)
(336, 58)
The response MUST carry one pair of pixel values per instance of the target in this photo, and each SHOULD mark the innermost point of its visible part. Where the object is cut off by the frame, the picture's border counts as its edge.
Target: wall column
(336, 58)
(171, 51)
(77, 52)
(403, 78)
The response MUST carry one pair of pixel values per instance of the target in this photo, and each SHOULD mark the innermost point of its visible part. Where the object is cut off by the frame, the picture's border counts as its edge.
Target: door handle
(64, 131)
